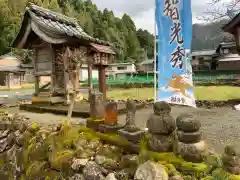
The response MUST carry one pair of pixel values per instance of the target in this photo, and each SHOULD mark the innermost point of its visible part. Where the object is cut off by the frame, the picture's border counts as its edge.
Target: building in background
(11, 71)
(147, 66)
(83, 74)
(202, 60)
(121, 69)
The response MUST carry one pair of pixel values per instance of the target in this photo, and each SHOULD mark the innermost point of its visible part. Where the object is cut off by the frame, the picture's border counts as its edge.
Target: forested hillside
(130, 43)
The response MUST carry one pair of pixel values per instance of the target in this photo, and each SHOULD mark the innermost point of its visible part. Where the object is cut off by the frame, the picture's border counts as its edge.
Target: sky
(142, 11)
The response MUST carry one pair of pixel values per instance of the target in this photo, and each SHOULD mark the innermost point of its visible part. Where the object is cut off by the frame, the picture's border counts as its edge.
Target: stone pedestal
(189, 142)
(110, 128)
(94, 124)
(130, 131)
(161, 125)
(231, 160)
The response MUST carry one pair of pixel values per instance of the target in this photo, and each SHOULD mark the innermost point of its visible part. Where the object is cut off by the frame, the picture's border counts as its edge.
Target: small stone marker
(130, 131)
(190, 144)
(110, 119)
(161, 125)
(110, 113)
(231, 160)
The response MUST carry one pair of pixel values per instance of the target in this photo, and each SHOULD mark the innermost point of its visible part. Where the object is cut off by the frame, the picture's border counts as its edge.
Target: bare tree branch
(220, 10)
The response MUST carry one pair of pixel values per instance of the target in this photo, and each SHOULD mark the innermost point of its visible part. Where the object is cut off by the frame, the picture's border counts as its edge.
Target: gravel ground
(221, 126)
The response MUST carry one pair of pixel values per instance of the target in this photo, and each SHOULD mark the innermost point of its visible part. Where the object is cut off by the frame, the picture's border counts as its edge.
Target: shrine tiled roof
(53, 27)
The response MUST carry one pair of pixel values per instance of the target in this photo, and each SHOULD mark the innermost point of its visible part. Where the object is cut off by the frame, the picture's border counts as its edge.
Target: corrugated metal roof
(148, 61)
(102, 48)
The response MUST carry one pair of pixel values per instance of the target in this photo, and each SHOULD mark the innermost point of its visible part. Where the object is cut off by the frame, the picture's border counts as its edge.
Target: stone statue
(130, 116)
(189, 138)
(231, 160)
(161, 125)
(130, 130)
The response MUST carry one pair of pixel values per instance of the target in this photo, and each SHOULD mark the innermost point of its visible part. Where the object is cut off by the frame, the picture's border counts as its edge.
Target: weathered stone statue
(130, 131)
(96, 105)
(189, 142)
(110, 118)
(130, 116)
(161, 125)
(231, 160)
(96, 110)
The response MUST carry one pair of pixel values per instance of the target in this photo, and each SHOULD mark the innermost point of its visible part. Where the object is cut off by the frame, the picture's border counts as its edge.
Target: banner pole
(155, 55)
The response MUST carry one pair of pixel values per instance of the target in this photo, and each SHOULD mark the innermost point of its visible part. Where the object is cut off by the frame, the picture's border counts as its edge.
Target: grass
(23, 87)
(201, 93)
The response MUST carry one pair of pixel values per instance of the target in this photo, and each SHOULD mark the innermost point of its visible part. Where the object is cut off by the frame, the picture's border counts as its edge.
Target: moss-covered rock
(221, 174)
(33, 128)
(61, 160)
(35, 169)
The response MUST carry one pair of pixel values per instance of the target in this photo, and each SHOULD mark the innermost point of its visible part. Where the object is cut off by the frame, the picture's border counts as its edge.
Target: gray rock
(111, 176)
(93, 171)
(129, 161)
(77, 177)
(188, 122)
(4, 133)
(100, 159)
(189, 137)
(151, 171)
(164, 124)
(77, 164)
(161, 143)
(3, 144)
(125, 173)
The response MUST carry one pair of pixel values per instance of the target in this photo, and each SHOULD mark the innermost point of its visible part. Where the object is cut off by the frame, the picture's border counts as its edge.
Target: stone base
(47, 100)
(161, 143)
(94, 124)
(110, 128)
(134, 137)
(191, 152)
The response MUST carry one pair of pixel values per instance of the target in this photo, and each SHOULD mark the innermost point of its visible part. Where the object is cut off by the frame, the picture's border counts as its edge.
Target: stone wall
(30, 152)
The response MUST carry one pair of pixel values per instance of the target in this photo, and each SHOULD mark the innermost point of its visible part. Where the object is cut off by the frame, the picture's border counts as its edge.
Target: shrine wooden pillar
(102, 80)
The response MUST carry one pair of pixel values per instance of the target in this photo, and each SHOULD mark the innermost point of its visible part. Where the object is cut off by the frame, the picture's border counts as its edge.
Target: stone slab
(131, 136)
(81, 109)
(104, 128)
(94, 124)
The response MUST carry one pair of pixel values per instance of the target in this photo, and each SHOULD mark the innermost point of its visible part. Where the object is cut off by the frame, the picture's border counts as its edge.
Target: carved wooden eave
(53, 28)
(102, 55)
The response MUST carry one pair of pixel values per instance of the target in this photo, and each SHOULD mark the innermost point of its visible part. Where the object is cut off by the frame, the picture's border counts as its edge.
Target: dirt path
(221, 126)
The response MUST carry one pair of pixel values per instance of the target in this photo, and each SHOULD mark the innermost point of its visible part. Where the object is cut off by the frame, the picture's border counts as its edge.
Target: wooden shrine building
(233, 27)
(59, 44)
